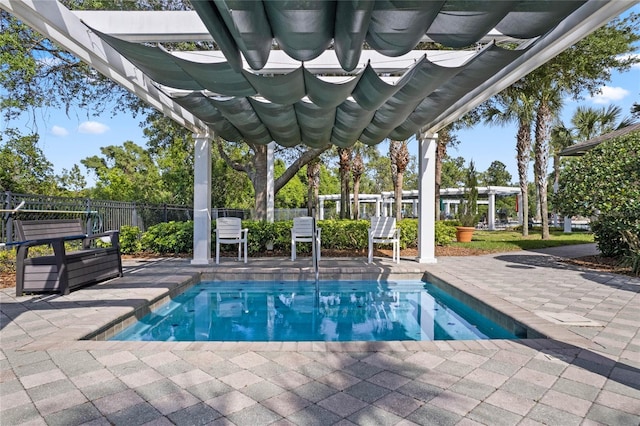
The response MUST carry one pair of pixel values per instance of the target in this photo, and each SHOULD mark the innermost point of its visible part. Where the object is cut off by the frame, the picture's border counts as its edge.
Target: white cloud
(609, 95)
(59, 131)
(631, 55)
(92, 127)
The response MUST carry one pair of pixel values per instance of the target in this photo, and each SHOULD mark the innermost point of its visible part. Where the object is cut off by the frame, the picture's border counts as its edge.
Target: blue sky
(65, 140)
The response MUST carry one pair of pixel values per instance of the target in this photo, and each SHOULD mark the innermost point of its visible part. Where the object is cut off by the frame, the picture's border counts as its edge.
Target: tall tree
(36, 73)
(253, 162)
(446, 139)
(399, 156)
(590, 122)
(496, 175)
(344, 161)
(72, 180)
(357, 170)
(23, 166)
(515, 105)
(541, 152)
(126, 173)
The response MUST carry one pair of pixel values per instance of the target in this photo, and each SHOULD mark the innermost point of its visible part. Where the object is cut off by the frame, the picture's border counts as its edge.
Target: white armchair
(229, 231)
(302, 232)
(383, 230)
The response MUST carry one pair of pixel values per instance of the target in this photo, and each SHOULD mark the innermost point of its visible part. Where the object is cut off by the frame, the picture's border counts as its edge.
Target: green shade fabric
(300, 107)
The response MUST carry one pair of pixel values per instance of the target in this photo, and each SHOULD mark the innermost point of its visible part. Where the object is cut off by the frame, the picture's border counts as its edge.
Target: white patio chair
(302, 232)
(383, 230)
(229, 231)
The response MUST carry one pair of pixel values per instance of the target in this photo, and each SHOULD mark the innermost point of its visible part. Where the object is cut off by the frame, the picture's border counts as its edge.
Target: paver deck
(585, 373)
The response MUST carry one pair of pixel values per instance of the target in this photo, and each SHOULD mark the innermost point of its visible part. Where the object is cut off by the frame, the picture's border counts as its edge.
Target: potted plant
(469, 216)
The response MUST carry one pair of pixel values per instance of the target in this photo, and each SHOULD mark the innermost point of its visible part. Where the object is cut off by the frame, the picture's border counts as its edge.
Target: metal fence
(100, 215)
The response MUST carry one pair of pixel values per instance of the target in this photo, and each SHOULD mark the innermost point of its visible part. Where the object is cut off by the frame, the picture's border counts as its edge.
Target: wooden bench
(63, 271)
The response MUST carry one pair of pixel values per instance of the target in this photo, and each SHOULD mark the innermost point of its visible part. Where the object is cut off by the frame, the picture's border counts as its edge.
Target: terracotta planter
(464, 233)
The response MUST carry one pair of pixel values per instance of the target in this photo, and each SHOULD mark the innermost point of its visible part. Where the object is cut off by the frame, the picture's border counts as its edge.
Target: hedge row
(177, 237)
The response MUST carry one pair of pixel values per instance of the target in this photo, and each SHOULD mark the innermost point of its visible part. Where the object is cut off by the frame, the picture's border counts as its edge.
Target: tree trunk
(541, 150)
(357, 170)
(259, 181)
(255, 166)
(398, 195)
(399, 156)
(313, 177)
(441, 151)
(345, 169)
(523, 147)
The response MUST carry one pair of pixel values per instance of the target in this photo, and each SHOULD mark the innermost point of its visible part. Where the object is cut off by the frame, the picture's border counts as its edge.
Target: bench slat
(81, 267)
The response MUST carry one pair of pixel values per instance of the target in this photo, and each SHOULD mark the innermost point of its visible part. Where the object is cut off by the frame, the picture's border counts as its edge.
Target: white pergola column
(271, 202)
(567, 224)
(427, 197)
(321, 208)
(491, 216)
(202, 200)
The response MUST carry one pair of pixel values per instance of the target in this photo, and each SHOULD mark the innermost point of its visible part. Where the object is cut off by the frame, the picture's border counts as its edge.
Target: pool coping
(98, 329)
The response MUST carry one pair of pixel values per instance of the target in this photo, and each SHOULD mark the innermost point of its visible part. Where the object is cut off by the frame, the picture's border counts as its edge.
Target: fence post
(134, 218)
(89, 227)
(8, 218)
(165, 212)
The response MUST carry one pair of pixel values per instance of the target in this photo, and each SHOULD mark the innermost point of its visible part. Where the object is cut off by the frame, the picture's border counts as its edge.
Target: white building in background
(450, 200)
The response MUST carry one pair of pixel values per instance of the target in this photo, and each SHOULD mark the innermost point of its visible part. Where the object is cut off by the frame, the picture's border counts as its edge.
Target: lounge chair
(383, 230)
(229, 231)
(303, 232)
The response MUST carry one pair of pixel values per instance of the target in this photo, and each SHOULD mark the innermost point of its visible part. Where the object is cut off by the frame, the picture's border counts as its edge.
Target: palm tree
(591, 122)
(344, 155)
(360, 152)
(514, 105)
(399, 156)
(446, 138)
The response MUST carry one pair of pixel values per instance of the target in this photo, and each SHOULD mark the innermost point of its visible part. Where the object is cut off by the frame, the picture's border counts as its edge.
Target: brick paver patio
(584, 374)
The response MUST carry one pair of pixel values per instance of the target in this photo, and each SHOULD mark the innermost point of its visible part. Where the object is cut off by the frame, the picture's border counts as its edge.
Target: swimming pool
(296, 311)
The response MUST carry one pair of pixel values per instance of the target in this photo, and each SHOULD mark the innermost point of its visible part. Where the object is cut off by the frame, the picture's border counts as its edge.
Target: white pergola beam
(327, 63)
(171, 26)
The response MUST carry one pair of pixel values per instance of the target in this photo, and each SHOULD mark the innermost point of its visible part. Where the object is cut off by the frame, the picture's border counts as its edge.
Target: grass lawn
(493, 241)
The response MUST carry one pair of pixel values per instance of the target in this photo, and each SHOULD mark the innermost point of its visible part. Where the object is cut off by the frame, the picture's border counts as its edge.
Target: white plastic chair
(302, 232)
(383, 230)
(229, 231)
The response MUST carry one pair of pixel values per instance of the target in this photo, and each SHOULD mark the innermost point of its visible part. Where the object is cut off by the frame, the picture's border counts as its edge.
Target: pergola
(319, 72)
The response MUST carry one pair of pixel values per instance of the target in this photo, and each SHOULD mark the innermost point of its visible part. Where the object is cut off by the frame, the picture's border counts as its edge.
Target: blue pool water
(293, 311)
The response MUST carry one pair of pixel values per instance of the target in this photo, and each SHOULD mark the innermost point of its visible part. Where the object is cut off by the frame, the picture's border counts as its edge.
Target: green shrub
(445, 233)
(130, 239)
(170, 237)
(7, 261)
(608, 229)
(408, 233)
(344, 234)
(260, 234)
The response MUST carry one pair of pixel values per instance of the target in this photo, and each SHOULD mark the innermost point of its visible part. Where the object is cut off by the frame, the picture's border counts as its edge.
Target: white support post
(427, 197)
(567, 224)
(202, 200)
(378, 205)
(270, 183)
(321, 202)
(491, 216)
